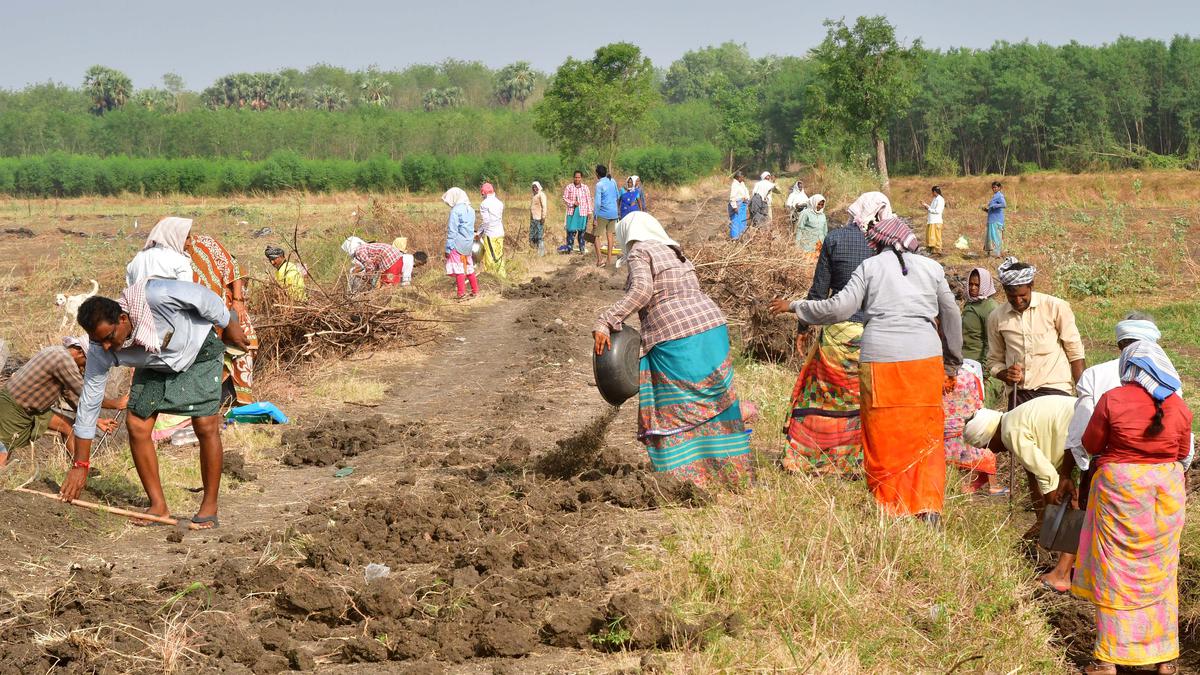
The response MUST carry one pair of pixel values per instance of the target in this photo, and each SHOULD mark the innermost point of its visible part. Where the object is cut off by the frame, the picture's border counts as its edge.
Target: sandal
(998, 492)
(1168, 668)
(212, 522)
(1054, 589)
(1100, 668)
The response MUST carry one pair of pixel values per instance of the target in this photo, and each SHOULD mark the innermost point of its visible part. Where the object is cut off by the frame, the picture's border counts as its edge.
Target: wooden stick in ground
(112, 509)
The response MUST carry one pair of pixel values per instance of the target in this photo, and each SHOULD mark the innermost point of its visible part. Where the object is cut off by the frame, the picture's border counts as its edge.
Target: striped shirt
(665, 293)
(378, 257)
(51, 373)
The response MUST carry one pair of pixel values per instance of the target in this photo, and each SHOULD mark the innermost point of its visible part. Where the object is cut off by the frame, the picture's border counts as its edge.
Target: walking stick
(1012, 465)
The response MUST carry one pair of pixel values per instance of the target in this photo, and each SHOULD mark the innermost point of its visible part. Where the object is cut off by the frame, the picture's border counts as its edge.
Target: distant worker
(604, 220)
(812, 226)
(1128, 564)
(577, 198)
(906, 365)
(994, 242)
(287, 273)
(27, 399)
(796, 202)
(933, 221)
(632, 198)
(460, 236)
(1033, 342)
(374, 263)
(491, 231)
(739, 204)
(537, 218)
(690, 419)
(760, 199)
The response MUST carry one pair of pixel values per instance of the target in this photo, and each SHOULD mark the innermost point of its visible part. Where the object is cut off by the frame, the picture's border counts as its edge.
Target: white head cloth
(981, 427)
(455, 196)
(870, 207)
(170, 232)
(351, 245)
(641, 226)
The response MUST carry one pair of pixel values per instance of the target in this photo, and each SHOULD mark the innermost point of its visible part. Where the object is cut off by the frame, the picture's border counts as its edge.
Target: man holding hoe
(164, 329)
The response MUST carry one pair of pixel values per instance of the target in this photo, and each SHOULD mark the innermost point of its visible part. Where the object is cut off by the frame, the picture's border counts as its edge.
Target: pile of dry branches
(743, 276)
(330, 323)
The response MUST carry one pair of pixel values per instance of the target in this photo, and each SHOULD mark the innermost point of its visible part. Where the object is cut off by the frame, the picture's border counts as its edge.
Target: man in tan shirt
(1033, 344)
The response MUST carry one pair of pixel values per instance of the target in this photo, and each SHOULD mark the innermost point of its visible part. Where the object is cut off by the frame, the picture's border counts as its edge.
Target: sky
(44, 40)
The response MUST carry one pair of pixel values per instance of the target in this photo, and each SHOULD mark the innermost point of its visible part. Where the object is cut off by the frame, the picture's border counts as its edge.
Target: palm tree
(110, 89)
(375, 89)
(515, 82)
(329, 98)
(452, 97)
(155, 99)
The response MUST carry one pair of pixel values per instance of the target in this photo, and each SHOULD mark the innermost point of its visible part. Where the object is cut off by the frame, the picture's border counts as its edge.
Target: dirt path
(502, 493)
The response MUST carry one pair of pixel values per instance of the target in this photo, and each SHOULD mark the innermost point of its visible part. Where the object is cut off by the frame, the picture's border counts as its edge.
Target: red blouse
(1117, 431)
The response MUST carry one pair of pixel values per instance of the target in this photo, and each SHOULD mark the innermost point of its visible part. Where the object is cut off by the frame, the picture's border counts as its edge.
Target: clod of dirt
(327, 444)
(235, 467)
(647, 621)
(20, 232)
(308, 597)
(570, 622)
(175, 537)
(364, 650)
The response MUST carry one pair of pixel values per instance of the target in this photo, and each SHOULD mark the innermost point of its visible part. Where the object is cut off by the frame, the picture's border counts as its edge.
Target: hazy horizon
(58, 40)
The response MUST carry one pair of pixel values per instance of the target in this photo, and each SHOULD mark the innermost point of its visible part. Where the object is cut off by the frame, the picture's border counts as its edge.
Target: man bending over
(164, 329)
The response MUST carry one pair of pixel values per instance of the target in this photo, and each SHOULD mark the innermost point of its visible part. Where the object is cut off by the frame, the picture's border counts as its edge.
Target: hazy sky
(57, 40)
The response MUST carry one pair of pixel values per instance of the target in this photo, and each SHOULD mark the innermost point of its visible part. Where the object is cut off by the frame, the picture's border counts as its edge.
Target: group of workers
(806, 214)
(894, 388)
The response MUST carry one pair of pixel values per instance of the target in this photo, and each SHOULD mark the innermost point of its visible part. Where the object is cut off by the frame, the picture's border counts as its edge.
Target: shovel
(180, 524)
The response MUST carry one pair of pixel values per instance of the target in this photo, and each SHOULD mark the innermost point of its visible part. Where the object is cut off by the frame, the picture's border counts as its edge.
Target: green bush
(63, 175)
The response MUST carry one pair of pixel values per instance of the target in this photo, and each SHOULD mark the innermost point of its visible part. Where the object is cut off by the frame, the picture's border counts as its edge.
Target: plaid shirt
(49, 374)
(842, 252)
(665, 293)
(378, 258)
(579, 196)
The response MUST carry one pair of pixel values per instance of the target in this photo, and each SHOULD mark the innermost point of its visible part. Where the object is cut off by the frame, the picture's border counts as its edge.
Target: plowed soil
(500, 492)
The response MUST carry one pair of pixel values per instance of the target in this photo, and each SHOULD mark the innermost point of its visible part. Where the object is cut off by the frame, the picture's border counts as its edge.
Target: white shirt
(491, 217)
(935, 209)
(1094, 383)
(406, 269)
(738, 194)
(795, 198)
(158, 263)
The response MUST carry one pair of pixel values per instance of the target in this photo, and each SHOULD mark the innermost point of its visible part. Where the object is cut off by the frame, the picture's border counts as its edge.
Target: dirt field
(514, 510)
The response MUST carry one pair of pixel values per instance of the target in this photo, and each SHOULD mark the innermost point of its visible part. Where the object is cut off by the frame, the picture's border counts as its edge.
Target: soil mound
(329, 443)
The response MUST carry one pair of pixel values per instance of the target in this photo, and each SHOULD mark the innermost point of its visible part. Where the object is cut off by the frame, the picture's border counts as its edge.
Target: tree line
(861, 96)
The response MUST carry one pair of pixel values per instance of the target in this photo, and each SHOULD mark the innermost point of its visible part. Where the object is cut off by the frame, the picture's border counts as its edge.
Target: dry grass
(350, 388)
(827, 583)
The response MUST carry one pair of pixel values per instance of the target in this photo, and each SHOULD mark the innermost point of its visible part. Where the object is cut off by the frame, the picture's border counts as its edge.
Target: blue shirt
(606, 198)
(460, 229)
(996, 208)
(185, 311)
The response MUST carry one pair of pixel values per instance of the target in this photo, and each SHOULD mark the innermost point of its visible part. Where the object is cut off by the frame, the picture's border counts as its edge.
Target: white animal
(70, 304)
